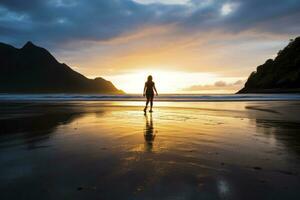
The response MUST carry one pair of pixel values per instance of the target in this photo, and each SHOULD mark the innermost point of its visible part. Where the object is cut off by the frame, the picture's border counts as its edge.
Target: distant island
(281, 75)
(32, 69)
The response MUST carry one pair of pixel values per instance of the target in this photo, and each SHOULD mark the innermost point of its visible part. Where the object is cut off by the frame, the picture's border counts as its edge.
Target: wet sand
(184, 150)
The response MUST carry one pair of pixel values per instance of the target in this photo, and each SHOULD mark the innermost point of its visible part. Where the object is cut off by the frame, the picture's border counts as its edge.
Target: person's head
(149, 79)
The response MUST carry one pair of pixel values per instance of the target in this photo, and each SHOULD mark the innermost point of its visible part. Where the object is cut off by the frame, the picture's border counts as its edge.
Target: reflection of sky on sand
(214, 151)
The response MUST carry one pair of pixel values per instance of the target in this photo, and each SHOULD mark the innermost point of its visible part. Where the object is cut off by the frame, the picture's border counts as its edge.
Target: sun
(165, 81)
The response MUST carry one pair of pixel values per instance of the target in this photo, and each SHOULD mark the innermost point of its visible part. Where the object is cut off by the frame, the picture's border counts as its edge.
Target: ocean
(162, 97)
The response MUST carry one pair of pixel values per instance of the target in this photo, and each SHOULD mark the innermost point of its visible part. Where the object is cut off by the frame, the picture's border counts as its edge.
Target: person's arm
(155, 89)
(144, 92)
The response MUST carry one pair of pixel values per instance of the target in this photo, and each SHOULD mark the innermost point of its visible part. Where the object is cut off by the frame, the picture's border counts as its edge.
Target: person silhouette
(149, 134)
(149, 89)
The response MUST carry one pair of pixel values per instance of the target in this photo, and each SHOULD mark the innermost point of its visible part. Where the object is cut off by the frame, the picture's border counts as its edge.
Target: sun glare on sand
(165, 81)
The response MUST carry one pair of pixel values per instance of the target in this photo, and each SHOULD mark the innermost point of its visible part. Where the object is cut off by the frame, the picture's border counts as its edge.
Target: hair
(149, 79)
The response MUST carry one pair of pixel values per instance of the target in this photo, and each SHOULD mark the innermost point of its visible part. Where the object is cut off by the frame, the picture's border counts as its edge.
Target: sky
(189, 46)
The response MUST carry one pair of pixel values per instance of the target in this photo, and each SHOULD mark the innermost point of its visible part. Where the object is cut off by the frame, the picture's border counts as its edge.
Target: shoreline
(160, 98)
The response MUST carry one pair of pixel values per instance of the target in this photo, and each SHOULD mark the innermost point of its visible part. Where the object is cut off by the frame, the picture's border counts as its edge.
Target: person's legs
(151, 104)
(147, 102)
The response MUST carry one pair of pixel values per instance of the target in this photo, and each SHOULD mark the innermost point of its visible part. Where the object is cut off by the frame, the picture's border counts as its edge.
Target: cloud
(239, 82)
(61, 21)
(162, 1)
(218, 85)
(110, 37)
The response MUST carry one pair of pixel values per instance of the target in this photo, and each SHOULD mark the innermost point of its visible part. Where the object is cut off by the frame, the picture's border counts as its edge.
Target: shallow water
(161, 97)
(111, 150)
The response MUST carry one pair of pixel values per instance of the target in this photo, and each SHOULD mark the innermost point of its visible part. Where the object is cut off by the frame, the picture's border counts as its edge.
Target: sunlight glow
(165, 81)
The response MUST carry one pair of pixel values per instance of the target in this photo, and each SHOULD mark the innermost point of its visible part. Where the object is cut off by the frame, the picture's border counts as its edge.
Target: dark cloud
(266, 15)
(53, 22)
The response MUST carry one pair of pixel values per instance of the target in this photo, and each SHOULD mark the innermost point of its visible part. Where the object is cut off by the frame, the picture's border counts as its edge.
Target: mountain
(281, 75)
(32, 69)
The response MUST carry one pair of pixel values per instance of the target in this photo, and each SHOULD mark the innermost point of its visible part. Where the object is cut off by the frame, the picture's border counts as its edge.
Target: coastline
(139, 97)
(269, 91)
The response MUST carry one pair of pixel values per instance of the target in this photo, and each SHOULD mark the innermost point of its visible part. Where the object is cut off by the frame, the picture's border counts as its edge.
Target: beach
(183, 150)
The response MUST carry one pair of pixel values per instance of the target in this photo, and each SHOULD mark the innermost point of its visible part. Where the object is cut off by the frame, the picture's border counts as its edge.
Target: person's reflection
(149, 134)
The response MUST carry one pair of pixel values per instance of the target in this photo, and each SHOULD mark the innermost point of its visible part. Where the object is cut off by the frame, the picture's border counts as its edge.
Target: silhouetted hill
(281, 75)
(33, 69)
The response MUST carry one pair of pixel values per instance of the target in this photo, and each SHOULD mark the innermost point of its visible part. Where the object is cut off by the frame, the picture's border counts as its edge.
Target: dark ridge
(32, 69)
(29, 44)
(281, 75)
